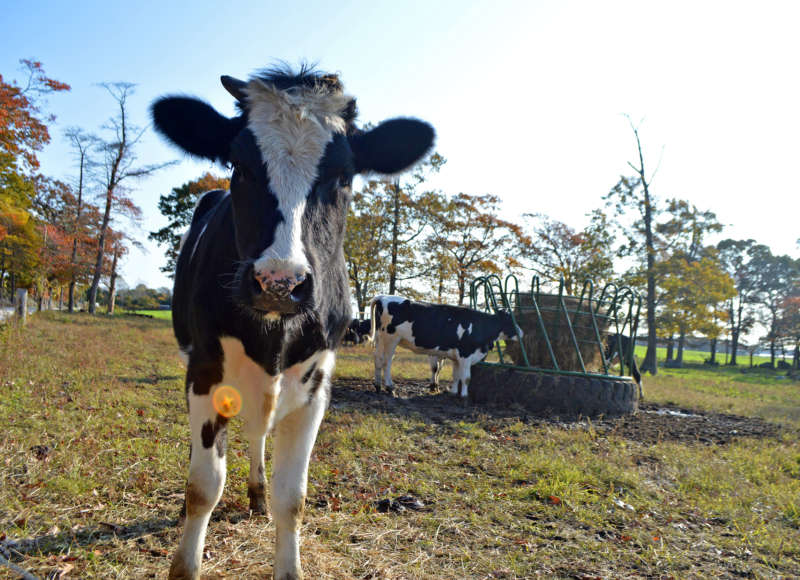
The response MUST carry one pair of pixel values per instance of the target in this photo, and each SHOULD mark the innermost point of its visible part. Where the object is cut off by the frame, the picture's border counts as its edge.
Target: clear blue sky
(527, 97)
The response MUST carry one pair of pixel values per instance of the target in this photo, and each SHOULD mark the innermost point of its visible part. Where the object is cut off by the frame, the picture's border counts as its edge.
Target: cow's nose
(281, 282)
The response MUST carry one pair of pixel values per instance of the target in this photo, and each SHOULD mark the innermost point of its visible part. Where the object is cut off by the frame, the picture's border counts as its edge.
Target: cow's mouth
(280, 303)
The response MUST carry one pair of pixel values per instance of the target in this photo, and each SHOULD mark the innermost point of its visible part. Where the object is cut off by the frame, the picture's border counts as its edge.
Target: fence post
(21, 305)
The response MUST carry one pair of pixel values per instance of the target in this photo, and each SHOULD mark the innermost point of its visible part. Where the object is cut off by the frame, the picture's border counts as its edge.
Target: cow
(358, 331)
(460, 334)
(619, 346)
(261, 297)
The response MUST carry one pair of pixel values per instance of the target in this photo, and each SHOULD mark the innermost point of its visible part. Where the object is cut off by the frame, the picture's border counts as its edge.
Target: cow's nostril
(301, 292)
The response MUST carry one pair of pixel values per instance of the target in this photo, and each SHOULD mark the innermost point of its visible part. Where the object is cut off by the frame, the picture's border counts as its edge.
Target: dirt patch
(652, 424)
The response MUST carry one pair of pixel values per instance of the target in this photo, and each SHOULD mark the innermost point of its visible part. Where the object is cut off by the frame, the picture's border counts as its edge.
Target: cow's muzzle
(280, 289)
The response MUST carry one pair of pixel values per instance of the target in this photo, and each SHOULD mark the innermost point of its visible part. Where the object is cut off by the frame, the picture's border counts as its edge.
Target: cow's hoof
(258, 505)
(178, 570)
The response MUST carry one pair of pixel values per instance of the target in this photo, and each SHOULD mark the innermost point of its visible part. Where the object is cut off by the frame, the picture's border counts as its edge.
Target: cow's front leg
(294, 438)
(204, 488)
(256, 415)
(436, 365)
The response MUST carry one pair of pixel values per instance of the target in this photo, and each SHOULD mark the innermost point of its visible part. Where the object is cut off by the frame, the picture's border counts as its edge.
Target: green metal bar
(571, 331)
(535, 302)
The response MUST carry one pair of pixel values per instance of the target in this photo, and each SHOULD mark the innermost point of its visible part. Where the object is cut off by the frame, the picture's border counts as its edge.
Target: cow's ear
(392, 146)
(195, 126)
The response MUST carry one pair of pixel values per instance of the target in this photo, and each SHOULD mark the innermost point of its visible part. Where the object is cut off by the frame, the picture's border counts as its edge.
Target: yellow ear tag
(227, 401)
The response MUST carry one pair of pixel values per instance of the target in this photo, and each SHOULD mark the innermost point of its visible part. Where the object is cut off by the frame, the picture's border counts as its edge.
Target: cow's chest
(267, 398)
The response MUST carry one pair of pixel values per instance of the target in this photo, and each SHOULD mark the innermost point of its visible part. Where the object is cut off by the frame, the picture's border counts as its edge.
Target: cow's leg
(466, 373)
(204, 488)
(389, 347)
(436, 365)
(256, 417)
(294, 437)
(379, 363)
(457, 364)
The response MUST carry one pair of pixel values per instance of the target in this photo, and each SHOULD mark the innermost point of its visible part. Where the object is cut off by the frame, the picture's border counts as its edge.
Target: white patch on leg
(293, 392)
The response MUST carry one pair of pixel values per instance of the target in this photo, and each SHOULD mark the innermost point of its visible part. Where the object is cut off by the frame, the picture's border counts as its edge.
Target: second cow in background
(460, 334)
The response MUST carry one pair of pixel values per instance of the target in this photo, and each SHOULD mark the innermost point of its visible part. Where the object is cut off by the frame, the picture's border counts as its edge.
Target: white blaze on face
(292, 129)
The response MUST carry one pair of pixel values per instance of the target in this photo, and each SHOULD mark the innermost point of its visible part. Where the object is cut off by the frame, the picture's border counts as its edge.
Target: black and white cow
(618, 347)
(358, 331)
(261, 297)
(460, 334)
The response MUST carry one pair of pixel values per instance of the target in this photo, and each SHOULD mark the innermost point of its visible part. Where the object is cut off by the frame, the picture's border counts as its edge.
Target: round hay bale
(557, 330)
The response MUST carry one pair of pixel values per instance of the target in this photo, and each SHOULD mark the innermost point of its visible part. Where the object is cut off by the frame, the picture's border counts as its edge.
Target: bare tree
(81, 143)
(635, 193)
(119, 166)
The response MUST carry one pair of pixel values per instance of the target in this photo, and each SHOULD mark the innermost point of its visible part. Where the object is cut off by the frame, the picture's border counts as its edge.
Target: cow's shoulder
(207, 202)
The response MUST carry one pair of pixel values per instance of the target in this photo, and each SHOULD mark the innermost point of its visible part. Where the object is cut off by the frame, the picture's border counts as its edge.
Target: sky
(529, 99)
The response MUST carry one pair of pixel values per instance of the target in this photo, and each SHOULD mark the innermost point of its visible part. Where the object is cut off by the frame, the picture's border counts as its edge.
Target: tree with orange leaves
(23, 132)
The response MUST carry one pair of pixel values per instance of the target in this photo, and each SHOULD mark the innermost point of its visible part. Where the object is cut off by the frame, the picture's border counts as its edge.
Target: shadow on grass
(152, 379)
(654, 423)
(17, 550)
(87, 536)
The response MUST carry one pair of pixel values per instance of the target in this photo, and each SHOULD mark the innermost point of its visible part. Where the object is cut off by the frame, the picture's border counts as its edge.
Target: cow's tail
(373, 302)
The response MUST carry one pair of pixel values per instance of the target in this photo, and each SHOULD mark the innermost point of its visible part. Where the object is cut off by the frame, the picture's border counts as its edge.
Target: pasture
(704, 482)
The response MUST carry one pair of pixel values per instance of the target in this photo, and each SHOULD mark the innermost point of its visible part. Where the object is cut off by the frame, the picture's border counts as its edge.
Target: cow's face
(508, 329)
(294, 152)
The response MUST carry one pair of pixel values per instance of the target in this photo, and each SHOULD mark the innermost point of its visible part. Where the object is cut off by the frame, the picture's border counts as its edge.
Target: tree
(119, 165)
(555, 251)
(81, 143)
(178, 206)
(366, 243)
(466, 229)
(633, 194)
(650, 239)
(777, 279)
(736, 256)
(23, 132)
(692, 297)
(409, 212)
(788, 325)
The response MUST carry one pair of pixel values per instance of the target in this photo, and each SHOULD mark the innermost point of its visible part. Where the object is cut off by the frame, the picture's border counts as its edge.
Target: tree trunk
(713, 358)
(650, 363)
(772, 351)
(395, 237)
(98, 265)
(74, 257)
(796, 357)
(112, 284)
(113, 181)
(670, 348)
(734, 347)
(681, 340)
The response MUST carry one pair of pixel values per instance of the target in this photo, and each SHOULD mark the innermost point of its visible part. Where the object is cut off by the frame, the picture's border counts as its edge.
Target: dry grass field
(703, 483)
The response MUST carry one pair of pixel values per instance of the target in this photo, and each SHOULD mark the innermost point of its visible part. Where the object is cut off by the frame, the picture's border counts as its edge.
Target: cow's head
(508, 329)
(294, 150)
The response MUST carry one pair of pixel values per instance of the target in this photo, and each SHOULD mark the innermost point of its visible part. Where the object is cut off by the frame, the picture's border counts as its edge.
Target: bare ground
(652, 424)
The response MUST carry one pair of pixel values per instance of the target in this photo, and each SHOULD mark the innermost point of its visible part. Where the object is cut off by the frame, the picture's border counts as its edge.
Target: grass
(161, 314)
(95, 446)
